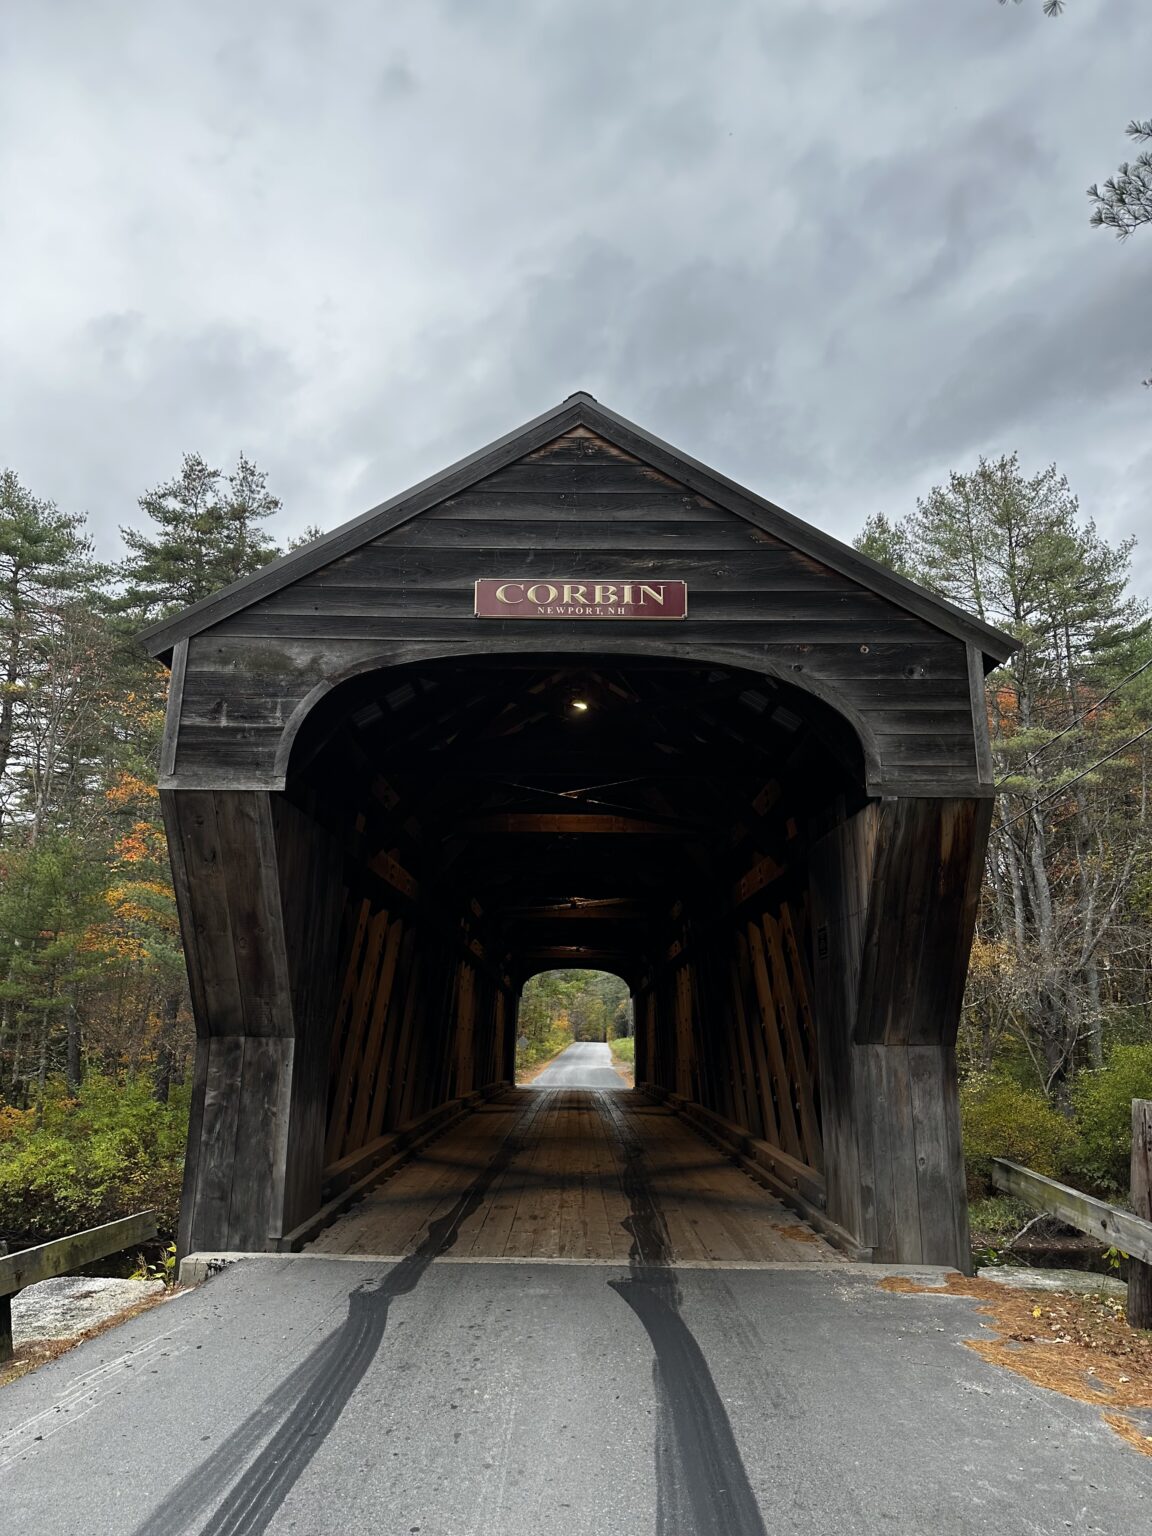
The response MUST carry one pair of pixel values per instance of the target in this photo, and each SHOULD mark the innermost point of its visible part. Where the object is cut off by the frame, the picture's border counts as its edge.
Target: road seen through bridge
(585, 1064)
(486, 1376)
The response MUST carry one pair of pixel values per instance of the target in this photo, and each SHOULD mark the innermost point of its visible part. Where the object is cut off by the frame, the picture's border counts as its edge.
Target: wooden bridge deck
(567, 1164)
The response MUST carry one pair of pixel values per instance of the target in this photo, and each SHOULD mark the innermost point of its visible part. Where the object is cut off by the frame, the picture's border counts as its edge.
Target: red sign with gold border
(563, 597)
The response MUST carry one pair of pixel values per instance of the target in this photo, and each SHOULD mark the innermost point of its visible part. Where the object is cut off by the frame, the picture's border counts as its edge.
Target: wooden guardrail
(63, 1256)
(1130, 1231)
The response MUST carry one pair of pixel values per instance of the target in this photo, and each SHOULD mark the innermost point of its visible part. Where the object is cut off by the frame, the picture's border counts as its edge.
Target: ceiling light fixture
(580, 705)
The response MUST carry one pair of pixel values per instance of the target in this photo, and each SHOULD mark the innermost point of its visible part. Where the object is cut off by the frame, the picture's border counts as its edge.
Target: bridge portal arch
(389, 802)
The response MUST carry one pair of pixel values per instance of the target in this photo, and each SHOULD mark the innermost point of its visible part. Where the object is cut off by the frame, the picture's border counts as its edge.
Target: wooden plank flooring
(560, 1195)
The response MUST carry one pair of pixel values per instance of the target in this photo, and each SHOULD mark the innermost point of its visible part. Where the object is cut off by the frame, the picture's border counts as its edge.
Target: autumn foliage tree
(1063, 954)
(91, 970)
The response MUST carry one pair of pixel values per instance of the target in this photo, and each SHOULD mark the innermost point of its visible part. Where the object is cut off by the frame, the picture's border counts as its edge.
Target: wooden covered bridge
(578, 701)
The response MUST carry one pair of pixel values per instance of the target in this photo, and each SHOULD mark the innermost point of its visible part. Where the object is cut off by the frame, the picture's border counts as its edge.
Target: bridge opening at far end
(575, 1027)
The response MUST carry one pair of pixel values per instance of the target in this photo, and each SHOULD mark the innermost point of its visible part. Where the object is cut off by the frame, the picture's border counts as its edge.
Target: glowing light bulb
(579, 704)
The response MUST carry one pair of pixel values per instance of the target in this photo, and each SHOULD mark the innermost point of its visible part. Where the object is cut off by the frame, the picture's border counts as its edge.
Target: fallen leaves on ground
(1080, 1346)
(797, 1233)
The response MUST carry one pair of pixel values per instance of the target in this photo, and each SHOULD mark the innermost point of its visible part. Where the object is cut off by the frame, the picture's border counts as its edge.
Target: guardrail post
(6, 1348)
(1139, 1274)
(62, 1257)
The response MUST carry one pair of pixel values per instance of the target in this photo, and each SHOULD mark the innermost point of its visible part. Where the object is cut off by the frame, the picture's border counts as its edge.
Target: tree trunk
(163, 1073)
(75, 1064)
(42, 1064)
(1096, 1021)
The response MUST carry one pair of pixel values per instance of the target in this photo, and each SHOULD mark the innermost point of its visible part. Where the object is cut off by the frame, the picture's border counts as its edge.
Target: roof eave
(580, 409)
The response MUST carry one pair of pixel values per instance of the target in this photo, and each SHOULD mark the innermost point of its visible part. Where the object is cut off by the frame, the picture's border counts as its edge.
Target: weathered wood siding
(894, 893)
(582, 507)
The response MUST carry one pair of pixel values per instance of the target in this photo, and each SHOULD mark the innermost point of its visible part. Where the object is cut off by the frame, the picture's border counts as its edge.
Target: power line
(1092, 708)
(1099, 763)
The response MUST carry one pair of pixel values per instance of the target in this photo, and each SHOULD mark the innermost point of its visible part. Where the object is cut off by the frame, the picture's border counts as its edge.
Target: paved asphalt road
(390, 1398)
(584, 1065)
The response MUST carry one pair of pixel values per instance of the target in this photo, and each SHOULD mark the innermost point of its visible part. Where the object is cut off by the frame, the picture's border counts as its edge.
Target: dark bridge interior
(578, 805)
(617, 813)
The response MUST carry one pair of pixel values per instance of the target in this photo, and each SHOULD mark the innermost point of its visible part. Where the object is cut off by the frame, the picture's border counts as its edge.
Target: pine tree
(46, 567)
(208, 534)
(1072, 835)
(1124, 202)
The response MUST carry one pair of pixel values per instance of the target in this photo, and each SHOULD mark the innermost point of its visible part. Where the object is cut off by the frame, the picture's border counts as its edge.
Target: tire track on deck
(702, 1486)
(294, 1420)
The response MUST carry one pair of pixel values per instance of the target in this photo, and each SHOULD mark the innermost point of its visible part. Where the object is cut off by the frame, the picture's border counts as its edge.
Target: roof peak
(578, 409)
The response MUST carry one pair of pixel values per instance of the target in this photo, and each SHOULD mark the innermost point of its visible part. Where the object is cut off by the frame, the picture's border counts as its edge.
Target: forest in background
(95, 1030)
(558, 1007)
(1056, 1037)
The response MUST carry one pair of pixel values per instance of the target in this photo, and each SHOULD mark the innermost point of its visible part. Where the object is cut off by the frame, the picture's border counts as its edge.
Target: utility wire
(1036, 804)
(1092, 708)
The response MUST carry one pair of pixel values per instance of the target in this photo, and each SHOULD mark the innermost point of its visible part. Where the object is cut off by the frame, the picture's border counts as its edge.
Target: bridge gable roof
(579, 411)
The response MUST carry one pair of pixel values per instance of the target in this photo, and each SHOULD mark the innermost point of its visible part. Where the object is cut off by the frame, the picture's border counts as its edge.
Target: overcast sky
(835, 248)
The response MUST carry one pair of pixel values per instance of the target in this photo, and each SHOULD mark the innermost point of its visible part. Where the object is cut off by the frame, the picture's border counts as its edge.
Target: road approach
(427, 1395)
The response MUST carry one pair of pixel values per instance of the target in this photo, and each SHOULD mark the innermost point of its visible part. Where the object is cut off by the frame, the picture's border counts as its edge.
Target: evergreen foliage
(1063, 943)
(207, 534)
(92, 975)
(1124, 202)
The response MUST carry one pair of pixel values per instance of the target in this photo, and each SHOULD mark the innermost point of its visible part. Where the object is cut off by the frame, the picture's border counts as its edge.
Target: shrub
(1102, 1101)
(532, 1052)
(106, 1153)
(1004, 1119)
(624, 1049)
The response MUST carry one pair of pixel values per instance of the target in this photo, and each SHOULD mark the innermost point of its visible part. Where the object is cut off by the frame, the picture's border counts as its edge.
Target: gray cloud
(835, 248)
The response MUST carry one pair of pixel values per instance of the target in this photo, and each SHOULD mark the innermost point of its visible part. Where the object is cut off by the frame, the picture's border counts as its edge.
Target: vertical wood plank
(400, 1090)
(1139, 1274)
(211, 1218)
(898, 1215)
(167, 763)
(384, 1090)
(802, 988)
(499, 1041)
(313, 901)
(372, 1062)
(348, 988)
(190, 1183)
(786, 1015)
(840, 874)
(259, 1157)
(683, 1017)
(943, 1210)
(754, 1118)
(464, 1022)
(786, 1114)
(336, 1145)
(748, 1011)
(256, 930)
